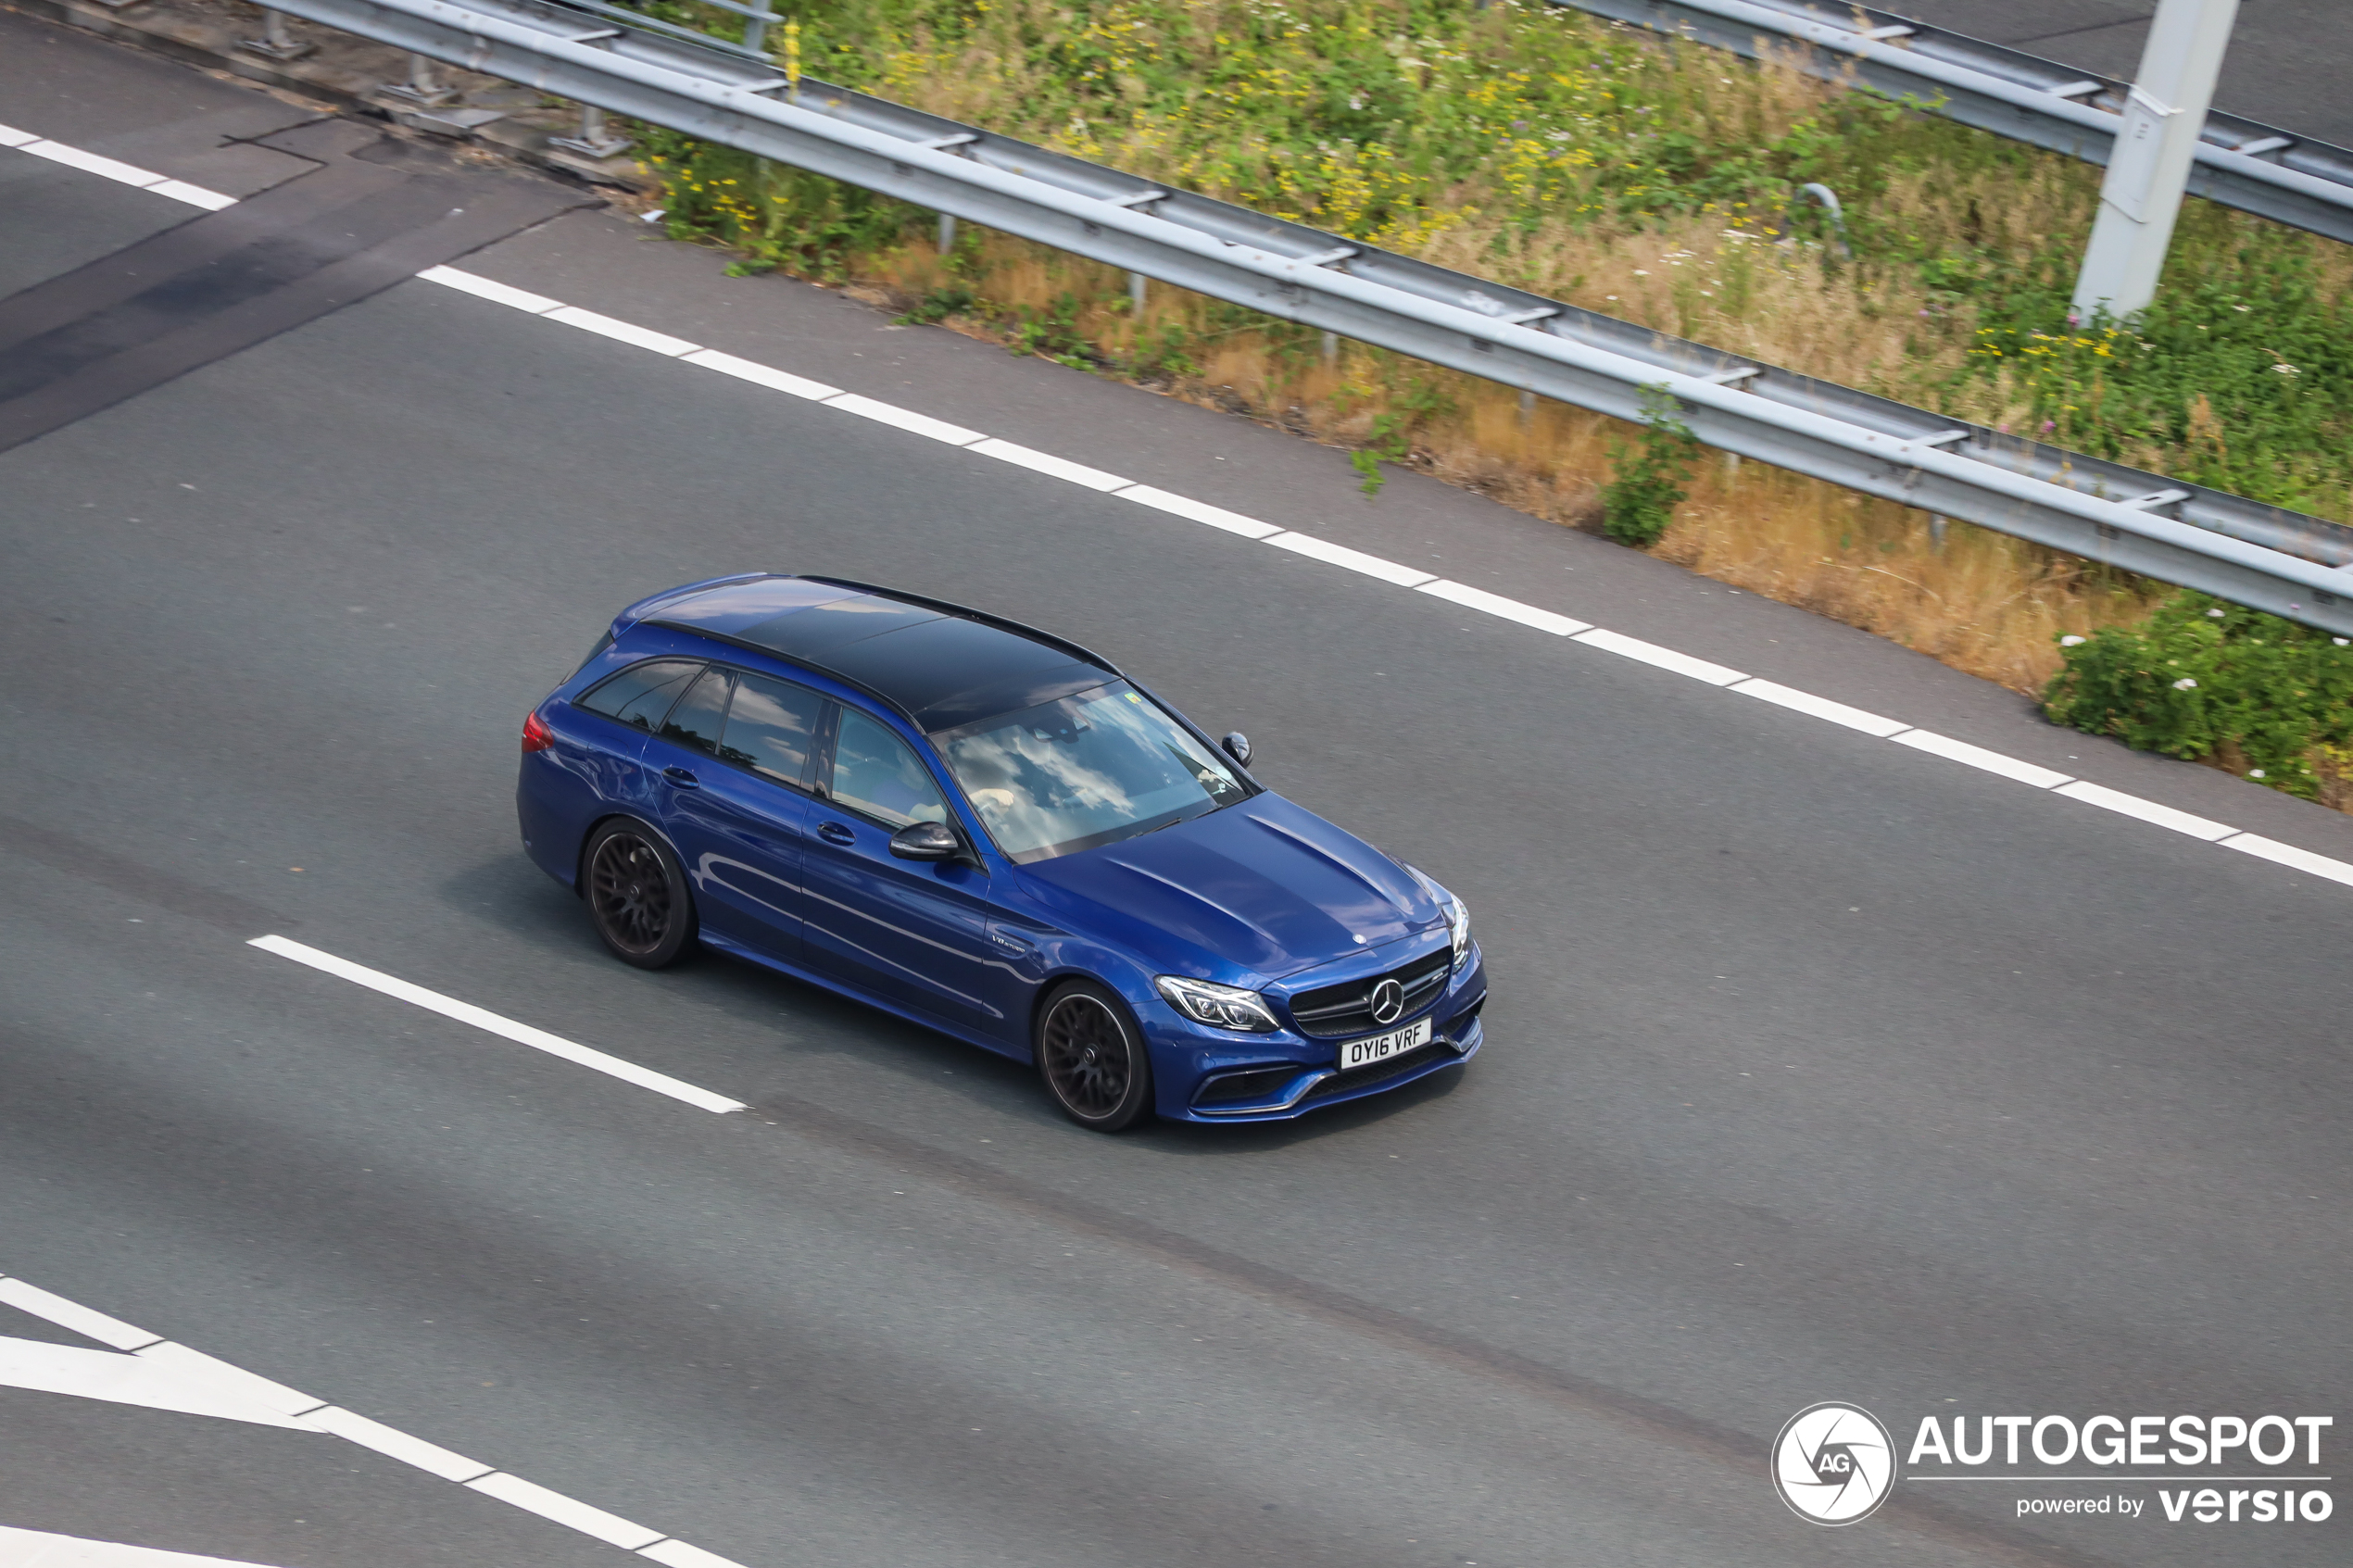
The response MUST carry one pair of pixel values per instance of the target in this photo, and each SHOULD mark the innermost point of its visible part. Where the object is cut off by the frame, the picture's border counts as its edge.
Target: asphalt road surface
(1817, 1068)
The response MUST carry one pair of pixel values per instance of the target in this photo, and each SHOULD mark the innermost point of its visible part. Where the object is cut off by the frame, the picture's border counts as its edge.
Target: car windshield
(1084, 771)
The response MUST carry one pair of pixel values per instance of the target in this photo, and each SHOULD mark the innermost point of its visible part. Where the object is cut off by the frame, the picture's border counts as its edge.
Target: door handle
(682, 778)
(834, 832)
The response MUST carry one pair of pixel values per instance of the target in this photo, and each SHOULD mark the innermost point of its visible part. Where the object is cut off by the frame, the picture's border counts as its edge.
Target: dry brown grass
(1941, 215)
(1982, 602)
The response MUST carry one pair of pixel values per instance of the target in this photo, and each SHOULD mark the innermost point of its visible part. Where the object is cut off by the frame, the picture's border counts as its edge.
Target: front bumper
(1288, 1075)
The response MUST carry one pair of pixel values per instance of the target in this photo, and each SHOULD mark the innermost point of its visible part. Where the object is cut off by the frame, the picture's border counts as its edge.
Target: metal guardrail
(2286, 562)
(2241, 163)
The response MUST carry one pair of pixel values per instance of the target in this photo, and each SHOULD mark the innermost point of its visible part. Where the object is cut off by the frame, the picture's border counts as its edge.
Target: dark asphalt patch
(374, 212)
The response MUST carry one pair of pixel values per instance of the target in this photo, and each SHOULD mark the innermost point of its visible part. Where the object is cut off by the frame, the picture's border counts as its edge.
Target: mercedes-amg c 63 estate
(994, 832)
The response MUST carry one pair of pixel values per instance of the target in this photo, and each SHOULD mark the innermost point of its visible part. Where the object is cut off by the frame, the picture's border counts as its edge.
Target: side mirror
(1236, 746)
(927, 841)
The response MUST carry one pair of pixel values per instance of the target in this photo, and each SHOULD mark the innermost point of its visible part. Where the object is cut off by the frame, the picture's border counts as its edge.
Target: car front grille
(1333, 1012)
(1380, 1073)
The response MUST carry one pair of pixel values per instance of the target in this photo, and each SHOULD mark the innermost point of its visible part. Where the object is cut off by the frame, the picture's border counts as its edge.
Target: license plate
(1380, 1047)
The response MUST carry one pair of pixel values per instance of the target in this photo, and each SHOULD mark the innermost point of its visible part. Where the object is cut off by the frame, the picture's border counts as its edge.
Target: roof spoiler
(963, 612)
(645, 606)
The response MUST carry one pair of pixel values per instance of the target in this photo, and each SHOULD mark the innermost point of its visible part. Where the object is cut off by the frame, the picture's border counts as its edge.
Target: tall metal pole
(2141, 194)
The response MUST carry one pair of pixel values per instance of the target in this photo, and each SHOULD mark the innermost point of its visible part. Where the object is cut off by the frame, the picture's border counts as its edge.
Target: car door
(914, 932)
(730, 767)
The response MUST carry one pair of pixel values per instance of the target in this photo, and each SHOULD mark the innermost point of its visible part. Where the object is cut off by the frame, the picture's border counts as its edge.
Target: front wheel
(637, 897)
(1090, 1052)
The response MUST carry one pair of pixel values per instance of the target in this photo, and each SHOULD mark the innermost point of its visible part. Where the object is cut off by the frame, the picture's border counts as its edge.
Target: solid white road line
(1301, 544)
(1977, 757)
(203, 1370)
(485, 288)
(762, 375)
(1509, 609)
(195, 195)
(394, 1444)
(903, 419)
(2145, 810)
(72, 1315)
(269, 1404)
(506, 1028)
(123, 1379)
(1199, 511)
(38, 1549)
(1046, 463)
(2288, 854)
(538, 1499)
(676, 1553)
(1354, 560)
(1665, 659)
(621, 331)
(1821, 707)
(91, 163)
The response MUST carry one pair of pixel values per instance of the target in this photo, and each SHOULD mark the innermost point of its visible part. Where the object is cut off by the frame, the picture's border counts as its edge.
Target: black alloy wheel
(637, 897)
(1091, 1054)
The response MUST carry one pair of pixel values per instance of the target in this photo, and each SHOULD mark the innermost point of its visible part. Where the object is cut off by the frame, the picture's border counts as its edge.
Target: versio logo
(1833, 1463)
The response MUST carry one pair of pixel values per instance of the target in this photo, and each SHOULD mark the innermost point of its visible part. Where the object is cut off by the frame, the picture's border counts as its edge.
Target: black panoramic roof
(940, 664)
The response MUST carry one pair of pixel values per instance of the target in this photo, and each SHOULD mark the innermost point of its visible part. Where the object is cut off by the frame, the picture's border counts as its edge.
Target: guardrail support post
(276, 42)
(595, 140)
(756, 27)
(1331, 348)
(1136, 285)
(947, 233)
(2151, 166)
(424, 86)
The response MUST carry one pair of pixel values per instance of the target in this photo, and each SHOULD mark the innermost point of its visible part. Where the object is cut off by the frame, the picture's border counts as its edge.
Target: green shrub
(777, 215)
(2206, 679)
(2240, 376)
(1648, 479)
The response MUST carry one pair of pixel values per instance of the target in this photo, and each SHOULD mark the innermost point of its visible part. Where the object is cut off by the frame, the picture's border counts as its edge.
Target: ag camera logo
(1833, 1463)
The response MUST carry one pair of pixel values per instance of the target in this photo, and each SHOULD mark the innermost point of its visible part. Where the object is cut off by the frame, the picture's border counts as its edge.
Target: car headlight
(1456, 912)
(1221, 1007)
(1458, 917)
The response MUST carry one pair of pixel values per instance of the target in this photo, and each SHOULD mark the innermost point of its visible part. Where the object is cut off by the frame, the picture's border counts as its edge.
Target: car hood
(1266, 886)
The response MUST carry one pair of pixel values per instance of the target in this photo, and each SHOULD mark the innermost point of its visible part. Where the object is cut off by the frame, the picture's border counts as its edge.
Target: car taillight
(537, 736)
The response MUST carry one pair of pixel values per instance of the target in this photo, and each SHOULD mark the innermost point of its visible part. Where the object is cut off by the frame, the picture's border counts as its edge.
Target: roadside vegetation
(1654, 180)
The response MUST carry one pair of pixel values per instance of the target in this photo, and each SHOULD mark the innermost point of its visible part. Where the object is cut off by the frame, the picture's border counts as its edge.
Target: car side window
(640, 694)
(695, 722)
(772, 727)
(875, 773)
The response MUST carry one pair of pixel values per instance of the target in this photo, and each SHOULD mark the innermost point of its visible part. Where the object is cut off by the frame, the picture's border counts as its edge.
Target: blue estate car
(991, 832)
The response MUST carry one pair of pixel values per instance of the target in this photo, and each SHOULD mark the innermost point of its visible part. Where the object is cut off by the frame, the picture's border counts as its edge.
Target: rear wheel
(1090, 1052)
(637, 895)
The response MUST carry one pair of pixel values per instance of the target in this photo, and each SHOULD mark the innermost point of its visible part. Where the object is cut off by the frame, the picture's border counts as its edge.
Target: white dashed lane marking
(506, 1028)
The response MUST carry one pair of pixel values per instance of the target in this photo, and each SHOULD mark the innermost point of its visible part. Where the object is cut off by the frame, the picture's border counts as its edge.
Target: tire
(1092, 1056)
(637, 895)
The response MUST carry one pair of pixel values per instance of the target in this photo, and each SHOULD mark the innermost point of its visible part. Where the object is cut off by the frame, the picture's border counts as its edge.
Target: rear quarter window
(640, 694)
